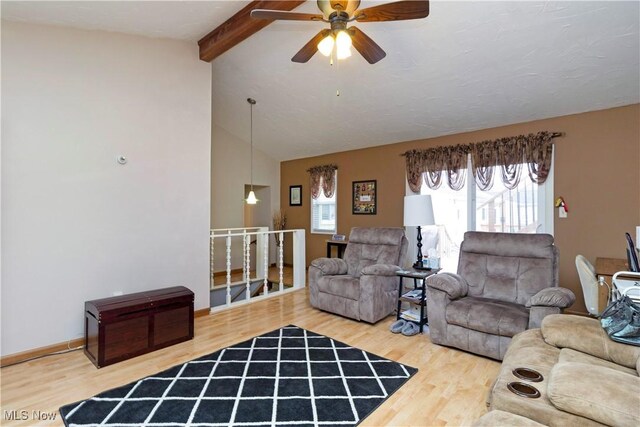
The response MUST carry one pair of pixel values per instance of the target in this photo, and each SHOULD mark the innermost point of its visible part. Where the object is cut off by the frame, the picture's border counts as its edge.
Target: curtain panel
(323, 177)
(507, 154)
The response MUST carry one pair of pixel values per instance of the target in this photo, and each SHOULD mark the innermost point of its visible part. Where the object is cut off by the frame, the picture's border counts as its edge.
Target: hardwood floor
(450, 387)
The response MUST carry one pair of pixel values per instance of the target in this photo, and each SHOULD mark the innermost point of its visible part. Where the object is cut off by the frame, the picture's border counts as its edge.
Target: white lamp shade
(251, 199)
(418, 211)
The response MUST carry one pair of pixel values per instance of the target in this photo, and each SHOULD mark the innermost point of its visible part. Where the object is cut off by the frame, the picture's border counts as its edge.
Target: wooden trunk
(122, 327)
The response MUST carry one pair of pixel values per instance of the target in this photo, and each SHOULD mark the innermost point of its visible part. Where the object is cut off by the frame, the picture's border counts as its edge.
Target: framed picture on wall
(295, 195)
(364, 197)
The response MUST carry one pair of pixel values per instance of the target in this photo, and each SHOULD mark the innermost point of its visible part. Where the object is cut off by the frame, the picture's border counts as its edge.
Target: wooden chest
(122, 327)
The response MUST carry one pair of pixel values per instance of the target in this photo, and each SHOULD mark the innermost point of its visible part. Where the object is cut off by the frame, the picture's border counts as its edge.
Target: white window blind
(323, 212)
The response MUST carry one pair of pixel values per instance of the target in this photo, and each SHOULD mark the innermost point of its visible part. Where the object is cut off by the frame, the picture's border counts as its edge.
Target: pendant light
(251, 198)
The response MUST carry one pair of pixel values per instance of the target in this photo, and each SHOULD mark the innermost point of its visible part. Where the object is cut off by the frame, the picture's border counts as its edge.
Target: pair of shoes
(397, 326)
(410, 329)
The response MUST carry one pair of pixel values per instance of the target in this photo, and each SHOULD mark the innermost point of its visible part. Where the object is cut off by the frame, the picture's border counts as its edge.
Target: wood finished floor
(450, 387)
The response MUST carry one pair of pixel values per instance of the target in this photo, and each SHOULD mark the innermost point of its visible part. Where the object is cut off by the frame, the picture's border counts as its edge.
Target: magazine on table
(411, 314)
(415, 294)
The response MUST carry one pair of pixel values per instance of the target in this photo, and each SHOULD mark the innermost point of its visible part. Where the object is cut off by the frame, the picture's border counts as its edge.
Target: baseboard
(41, 351)
(201, 312)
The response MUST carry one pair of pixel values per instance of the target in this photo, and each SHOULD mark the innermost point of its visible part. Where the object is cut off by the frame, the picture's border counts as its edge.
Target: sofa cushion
(341, 286)
(587, 336)
(570, 355)
(488, 316)
(509, 267)
(502, 418)
(601, 394)
(369, 246)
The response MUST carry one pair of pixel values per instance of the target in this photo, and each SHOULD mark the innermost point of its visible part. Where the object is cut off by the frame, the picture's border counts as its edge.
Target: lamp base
(418, 265)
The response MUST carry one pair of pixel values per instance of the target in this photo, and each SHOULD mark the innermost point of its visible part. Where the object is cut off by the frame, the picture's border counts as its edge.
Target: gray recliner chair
(363, 285)
(506, 283)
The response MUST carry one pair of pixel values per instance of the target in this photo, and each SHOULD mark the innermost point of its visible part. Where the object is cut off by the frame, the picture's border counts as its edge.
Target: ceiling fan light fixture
(343, 45)
(326, 45)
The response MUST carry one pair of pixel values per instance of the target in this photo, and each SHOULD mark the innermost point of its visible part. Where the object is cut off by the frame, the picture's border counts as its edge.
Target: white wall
(76, 225)
(230, 172)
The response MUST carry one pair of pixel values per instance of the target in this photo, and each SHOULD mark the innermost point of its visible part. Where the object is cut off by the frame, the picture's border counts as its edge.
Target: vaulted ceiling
(468, 66)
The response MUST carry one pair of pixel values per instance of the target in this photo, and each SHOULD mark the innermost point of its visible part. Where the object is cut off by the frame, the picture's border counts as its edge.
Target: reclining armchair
(363, 285)
(506, 283)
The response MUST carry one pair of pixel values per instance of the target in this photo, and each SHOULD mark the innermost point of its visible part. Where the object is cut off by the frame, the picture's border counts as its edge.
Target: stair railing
(233, 258)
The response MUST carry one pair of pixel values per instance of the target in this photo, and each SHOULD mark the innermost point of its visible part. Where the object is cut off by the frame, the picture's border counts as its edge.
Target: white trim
(545, 192)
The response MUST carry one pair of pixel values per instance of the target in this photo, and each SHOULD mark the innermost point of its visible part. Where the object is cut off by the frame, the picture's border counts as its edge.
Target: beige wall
(77, 225)
(597, 171)
(230, 172)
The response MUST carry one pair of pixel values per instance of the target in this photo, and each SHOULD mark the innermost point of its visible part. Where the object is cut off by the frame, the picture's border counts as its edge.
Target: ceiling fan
(339, 14)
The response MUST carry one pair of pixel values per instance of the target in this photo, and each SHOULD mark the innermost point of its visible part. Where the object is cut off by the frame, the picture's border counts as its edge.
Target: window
(528, 208)
(323, 212)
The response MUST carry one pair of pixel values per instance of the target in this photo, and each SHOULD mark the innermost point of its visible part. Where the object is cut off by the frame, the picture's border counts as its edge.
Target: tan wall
(597, 171)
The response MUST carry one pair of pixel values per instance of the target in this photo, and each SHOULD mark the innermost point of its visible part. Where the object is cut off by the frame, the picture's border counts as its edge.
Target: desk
(340, 245)
(607, 267)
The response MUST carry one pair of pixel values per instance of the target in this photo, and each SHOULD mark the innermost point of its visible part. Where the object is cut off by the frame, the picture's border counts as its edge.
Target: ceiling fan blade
(366, 46)
(289, 16)
(397, 11)
(310, 49)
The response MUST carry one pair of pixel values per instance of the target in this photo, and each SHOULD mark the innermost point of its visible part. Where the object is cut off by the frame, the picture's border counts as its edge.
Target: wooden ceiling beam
(239, 27)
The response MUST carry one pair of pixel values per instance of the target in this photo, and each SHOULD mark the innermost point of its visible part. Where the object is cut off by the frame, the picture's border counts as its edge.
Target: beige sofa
(589, 380)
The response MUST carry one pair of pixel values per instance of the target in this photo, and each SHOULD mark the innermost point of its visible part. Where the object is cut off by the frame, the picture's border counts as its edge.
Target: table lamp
(418, 211)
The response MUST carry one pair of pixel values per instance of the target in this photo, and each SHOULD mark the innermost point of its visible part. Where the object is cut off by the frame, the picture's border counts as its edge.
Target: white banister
(265, 257)
(247, 243)
(228, 240)
(261, 236)
(211, 266)
(281, 263)
(254, 283)
(299, 270)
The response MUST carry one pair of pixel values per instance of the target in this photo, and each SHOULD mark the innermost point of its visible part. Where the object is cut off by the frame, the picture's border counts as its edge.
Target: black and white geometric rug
(288, 377)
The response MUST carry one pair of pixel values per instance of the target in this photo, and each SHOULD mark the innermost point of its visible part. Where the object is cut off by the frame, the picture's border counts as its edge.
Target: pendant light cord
(251, 108)
(251, 102)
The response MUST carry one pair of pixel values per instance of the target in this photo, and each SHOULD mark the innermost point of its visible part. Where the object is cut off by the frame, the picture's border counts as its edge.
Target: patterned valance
(325, 175)
(508, 154)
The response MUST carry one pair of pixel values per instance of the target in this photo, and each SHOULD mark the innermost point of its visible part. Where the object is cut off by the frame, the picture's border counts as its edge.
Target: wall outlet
(117, 293)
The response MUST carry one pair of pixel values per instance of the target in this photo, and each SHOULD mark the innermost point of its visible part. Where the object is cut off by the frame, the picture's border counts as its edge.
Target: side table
(341, 245)
(417, 296)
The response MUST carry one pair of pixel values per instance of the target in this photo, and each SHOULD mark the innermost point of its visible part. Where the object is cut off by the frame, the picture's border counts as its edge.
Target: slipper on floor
(397, 326)
(410, 329)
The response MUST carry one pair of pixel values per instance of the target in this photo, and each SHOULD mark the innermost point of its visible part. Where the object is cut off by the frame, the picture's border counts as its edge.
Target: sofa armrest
(380, 270)
(552, 297)
(587, 336)
(330, 266)
(453, 285)
(613, 399)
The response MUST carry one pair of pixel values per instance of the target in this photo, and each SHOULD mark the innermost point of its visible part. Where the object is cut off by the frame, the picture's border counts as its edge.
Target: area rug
(288, 377)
